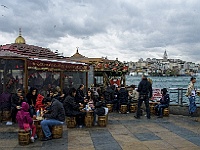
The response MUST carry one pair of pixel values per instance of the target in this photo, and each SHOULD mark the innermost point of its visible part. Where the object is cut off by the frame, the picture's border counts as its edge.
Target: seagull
(4, 6)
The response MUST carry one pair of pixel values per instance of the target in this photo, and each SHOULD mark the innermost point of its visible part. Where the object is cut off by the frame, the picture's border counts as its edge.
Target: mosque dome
(20, 39)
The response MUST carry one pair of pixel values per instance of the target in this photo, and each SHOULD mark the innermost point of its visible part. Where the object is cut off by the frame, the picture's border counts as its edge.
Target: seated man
(55, 116)
(72, 108)
(164, 103)
(123, 97)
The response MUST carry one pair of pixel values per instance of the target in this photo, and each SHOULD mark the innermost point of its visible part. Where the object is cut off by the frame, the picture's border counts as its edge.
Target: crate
(23, 137)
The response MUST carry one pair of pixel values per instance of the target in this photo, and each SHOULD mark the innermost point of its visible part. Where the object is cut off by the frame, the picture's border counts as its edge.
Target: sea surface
(173, 84)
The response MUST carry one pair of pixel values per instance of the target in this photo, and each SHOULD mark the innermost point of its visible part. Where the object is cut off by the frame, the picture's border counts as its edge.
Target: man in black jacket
(55, 116)
(164, 103)
(72, 108)
(145, 92)
(80, 96)
(123, 97)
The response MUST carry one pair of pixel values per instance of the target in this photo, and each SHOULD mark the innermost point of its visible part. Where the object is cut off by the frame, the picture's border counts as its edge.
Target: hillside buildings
(163, 67)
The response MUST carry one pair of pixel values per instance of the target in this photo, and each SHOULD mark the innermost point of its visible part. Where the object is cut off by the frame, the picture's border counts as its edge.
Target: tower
(165, 56)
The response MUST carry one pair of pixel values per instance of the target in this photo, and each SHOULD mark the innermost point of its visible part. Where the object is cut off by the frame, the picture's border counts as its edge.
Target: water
(170, 83)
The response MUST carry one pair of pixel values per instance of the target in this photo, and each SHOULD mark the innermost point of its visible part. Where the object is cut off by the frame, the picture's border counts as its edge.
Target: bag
(26, 126)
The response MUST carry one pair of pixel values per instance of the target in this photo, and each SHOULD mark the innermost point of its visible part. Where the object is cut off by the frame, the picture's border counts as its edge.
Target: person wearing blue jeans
(164, 103)
(56, 116)
(191, 93)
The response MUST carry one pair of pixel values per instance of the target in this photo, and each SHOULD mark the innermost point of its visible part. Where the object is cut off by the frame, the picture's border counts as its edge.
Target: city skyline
(123, 29)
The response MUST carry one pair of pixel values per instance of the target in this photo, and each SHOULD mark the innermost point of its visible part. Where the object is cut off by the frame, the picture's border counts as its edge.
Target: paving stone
(146, 136)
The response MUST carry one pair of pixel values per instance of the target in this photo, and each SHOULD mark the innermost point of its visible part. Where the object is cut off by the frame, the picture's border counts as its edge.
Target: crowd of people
(56, 105)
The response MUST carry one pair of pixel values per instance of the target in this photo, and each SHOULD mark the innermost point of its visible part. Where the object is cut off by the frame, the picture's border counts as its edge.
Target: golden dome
(20, 39)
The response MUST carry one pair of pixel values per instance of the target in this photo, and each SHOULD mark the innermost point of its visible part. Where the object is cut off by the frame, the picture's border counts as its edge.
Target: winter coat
(39, 104)
(165, 99)
(56, 112)
(16, 101)
(145, 88)
(71, 107)
(23, 116)
(123, 95)
(79, 96)
(109, 94)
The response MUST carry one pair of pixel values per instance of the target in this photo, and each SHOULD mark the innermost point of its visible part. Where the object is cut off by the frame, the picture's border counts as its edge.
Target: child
(23, 116)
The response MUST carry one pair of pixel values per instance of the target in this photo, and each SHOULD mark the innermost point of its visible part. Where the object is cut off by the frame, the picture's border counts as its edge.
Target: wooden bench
(71, 122)
(23, 137)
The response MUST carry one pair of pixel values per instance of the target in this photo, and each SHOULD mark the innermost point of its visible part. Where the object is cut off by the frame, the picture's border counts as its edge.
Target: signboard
(156, 94)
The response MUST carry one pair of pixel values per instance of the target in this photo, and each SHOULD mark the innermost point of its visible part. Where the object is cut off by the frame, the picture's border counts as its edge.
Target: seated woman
(31, 100)
(90, 101)
(164, 103)
(23, 116)
(72, 108)
(16, 101)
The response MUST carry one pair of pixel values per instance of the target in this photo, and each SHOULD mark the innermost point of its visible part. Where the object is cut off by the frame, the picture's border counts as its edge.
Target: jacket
(57, 111)
(145, 88)
(39, 103)
(123, 95)
(165, 99)
(23, 116)
(16, 101)
(109, 94)
(70, 105)
(79, 96)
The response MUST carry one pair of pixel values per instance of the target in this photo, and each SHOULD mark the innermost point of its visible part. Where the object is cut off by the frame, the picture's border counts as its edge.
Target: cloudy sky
(123, 29)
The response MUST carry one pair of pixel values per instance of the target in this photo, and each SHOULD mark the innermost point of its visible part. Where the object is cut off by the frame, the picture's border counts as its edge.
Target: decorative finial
(77, 49)
(20, 32)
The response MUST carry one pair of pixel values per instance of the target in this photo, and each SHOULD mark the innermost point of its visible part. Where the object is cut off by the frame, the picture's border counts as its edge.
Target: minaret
(165, 56)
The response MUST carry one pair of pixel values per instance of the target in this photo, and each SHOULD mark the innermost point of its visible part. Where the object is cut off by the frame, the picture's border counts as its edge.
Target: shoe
(119, 112)
(47, 138)
(80, 126)
(127, 112)
(32, 139)
(160, 116)
(137, 117)
(35, 137)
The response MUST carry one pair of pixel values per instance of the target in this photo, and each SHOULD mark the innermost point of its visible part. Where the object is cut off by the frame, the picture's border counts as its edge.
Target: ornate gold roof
(20, 39)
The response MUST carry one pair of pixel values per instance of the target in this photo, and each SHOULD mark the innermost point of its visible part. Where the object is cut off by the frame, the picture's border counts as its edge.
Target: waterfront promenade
(123, 132)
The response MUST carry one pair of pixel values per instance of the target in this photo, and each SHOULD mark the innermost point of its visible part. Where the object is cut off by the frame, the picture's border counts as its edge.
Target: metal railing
(177, 96)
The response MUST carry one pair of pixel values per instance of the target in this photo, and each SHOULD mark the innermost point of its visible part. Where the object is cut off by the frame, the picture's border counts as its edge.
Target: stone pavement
(123, 132)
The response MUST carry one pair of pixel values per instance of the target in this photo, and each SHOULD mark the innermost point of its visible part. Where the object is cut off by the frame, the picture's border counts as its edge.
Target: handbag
(25, 124)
